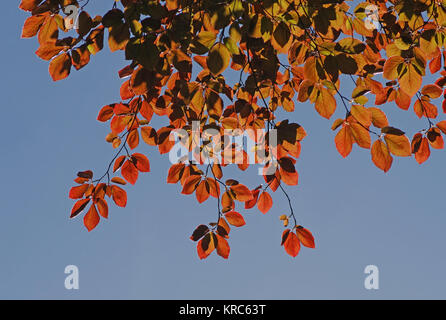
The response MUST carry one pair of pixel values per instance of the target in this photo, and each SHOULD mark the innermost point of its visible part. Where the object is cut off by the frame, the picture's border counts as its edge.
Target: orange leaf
(102, 207)
(118, 124)
(223, 248)
(361, 114)
(78, 207)
(379, 118)
(251, 203)
(344, 141)
(442, 126)
(214, 187)
(133, 139)
(432, 91)
(191, 184)
(292, 244)
(105, 114)
(141, 162)
(325, 103)
(149, 136)
(361, 135)
(175, 172)
(118, 163)
(381, 156)
(78, 192)
(235, 219)
(265, 202)
(29, 5)
(420, 147)
(435, 139)
(129, 172)
(49, 32)
(125, 91)
(32, 25)
(206, 245)
(242, 193)
(119, 180)
(146, 110)
(305, 236)
(391, 67)
(398, 145)
(119, 196)
(91, 219)
(410, 80)
(402, 99)
(60, 66)
(202, 192)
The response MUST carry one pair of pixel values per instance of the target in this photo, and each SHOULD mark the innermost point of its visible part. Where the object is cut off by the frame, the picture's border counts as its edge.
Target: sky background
(358, 215)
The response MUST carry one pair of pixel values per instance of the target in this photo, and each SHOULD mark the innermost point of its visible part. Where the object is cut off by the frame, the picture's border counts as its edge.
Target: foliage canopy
(284, 52)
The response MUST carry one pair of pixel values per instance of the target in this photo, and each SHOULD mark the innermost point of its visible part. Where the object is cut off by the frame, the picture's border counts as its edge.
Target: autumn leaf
(381, 156)
(305, 237)
(344, 141)
(398, 145)
(291, 244)
(119, 196)
(78, 192)
(60, 67)
(235, 219)
(218, 59)
(410, 80)
(223, 248)
(202, 192)
(102, 207)
(265, 202)
(391, 67)
(242, 193)
(91, 219)
(141, 162)
(78, 207)
(129, 172)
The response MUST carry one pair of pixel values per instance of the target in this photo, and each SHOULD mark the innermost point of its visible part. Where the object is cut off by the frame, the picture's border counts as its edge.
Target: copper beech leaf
(218, 59)
(60, 67)
(381, 156)
(265, 202)
(235, 219)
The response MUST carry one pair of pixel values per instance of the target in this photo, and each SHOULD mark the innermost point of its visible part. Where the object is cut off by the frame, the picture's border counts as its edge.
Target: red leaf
(223, 248)
(129, 172)
(235, 219)
(292, 244)
(305, 237)
(102, 207)
(78, 192)
(251, 203)
(78, 207)
(202, 192)
(175, 173)
(118, 163)
(265, 202)
(91, 219)
(105, 114)
(191, 184)
(119, 196)
(142, 163)
(242, 193)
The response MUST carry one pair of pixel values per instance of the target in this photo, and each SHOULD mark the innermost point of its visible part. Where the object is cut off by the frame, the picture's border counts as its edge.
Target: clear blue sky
(358, 215)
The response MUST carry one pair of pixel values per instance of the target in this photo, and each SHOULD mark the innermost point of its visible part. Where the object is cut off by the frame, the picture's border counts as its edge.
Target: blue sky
(358, 215)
